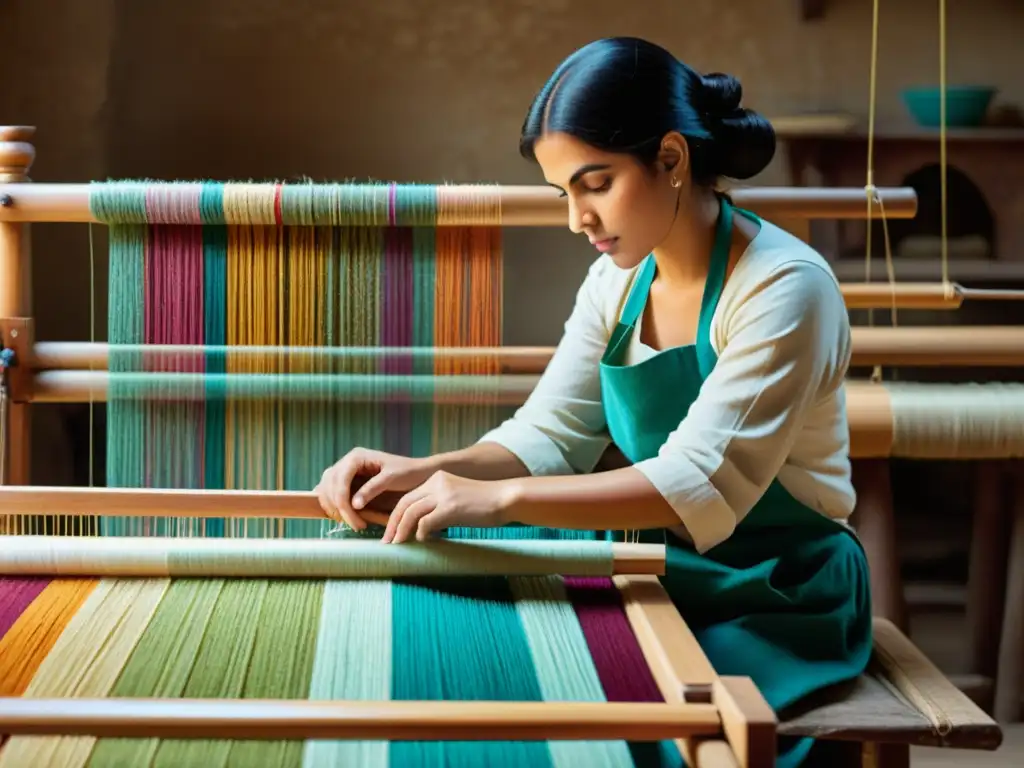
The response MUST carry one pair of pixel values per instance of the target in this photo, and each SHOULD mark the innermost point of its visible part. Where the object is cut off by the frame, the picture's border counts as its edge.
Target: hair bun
(721, 94)
(744, 140)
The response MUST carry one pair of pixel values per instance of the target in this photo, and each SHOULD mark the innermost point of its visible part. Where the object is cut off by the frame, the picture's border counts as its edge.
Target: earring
(676, 183)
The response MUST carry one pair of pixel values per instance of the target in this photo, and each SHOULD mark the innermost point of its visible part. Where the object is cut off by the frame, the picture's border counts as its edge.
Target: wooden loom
(904, 700)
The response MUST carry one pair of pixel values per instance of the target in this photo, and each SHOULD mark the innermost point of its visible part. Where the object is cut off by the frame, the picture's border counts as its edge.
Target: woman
(711, 347)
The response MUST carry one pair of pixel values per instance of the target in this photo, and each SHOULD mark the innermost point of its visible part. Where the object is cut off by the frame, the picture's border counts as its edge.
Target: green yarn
(364, 559)
(281, 666)
(120, 202)
(219, 671)
(161, 663)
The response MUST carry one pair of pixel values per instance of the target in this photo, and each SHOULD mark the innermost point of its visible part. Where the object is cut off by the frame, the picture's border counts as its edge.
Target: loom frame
(716, 722)
(22, 203)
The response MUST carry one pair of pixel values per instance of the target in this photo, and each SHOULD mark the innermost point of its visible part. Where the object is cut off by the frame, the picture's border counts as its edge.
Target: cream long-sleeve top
(773, 407)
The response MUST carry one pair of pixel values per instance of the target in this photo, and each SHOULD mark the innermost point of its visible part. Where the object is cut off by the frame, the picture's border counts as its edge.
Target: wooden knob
(17, 153)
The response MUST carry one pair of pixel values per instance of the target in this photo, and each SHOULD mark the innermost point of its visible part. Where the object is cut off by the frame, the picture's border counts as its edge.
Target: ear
(674, 155)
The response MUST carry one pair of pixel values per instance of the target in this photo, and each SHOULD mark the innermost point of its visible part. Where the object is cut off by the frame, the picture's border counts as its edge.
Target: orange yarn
(27, 643)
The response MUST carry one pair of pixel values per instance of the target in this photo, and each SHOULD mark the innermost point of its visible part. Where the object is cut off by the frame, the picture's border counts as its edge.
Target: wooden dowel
(79, 355)
(952, 346)
(385, 720)
(868, 406)
(169, 502)
(156, 556)
(521, 206)
(908, 296)
(94, 386)
(905, 346)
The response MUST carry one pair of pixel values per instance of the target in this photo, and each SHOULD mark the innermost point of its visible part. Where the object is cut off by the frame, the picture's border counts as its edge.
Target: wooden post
(1010, 670)
(16, 156)
(875, 520)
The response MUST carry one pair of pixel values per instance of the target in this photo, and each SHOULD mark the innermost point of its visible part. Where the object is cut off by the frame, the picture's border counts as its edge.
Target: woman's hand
(372, 475)
(444, 501)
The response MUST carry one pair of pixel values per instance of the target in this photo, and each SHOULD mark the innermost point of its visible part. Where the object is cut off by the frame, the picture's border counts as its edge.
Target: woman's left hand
(444, 501)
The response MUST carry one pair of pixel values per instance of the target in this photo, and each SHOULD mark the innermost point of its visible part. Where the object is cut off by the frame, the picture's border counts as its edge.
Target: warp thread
(526, 638)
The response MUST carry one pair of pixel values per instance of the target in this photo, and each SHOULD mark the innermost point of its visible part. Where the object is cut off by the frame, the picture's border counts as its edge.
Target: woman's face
(623, 208)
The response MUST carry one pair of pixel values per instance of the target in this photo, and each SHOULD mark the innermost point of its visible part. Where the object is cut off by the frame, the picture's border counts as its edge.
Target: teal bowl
(966, 105)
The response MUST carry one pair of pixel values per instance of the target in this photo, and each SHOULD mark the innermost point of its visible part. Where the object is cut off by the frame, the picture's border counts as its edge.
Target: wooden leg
(836, 754)
(1010, 675)
(885, 755)
(876, 526)
(986, 581)
(19, 444)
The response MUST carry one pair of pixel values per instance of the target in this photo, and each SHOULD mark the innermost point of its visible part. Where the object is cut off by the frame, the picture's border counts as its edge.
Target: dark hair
(623, 94)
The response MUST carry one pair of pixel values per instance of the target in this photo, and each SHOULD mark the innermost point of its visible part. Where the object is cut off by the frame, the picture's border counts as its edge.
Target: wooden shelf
(960, 270)
(845, 128)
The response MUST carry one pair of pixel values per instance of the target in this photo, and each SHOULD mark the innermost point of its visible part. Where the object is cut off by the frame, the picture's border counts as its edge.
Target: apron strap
(637, 298)
(635, 302)
(719, 264)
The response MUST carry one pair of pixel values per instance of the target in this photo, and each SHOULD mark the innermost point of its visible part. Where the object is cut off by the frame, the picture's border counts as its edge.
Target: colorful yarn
(523, 638)
(85, 662)
(15, 596)
(304, 266)
(28, 641)
(369, 204)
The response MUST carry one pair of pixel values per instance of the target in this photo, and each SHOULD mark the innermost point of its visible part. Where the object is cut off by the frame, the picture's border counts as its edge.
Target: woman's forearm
(614, 500)
(481, 461)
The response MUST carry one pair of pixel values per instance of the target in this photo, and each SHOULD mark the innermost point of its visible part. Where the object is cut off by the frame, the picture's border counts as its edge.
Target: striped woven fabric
(522, 638)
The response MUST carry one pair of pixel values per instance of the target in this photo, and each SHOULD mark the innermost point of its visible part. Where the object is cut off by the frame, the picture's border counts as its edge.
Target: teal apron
(785, 600)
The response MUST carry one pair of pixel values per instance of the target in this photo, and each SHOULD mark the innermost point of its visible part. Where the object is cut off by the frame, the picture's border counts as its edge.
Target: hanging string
(944, 245)
(871, 191)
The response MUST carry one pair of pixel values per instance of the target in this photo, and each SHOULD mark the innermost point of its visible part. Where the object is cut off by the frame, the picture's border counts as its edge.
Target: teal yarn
(215, 335)
(415, 205)
(436, 626)
(126, 427)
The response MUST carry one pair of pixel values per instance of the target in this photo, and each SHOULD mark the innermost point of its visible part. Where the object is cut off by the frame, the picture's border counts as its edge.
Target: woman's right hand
(371, 475)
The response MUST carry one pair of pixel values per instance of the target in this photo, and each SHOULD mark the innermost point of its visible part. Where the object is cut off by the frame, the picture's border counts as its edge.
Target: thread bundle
(405, 268)
(523, 638)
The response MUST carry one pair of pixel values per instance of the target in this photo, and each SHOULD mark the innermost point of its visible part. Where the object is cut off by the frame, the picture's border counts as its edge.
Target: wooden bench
(903, 700)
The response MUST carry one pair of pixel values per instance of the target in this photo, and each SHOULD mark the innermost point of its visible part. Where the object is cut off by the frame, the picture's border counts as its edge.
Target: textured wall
(410, 91)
